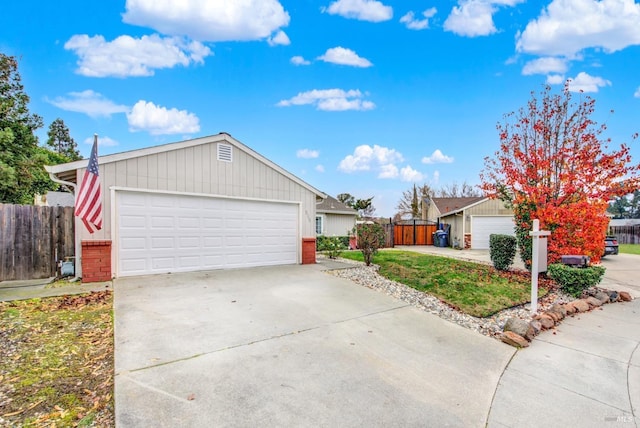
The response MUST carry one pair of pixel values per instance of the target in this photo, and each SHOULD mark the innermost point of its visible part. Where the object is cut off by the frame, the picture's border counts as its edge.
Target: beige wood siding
(196, 170)
(337, 224)
(488, 207)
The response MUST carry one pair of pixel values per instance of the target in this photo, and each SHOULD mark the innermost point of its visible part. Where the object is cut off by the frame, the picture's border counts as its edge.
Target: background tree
(552, 165)
(455, 190)
(21, 160)
(405, 207)
(365, 207)
(61, 142)
(346, 199)
(620, 207)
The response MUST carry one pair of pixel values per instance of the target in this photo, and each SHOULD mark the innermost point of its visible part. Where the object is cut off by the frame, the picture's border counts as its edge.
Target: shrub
(574, 280)
(502, 250)
(371, 236)
(323, 243)
(331, 245)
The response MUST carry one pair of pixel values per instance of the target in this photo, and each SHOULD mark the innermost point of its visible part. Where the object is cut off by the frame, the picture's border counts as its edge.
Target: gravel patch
(490, 326)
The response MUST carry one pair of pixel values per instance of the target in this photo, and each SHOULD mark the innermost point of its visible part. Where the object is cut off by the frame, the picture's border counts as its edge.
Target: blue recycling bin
(442, 239)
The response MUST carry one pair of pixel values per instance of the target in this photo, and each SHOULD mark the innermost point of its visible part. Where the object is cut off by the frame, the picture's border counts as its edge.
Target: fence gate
(31, 238)
(414, 232)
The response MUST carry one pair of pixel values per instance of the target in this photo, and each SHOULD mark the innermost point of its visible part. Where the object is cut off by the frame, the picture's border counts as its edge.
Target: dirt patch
(56, 361)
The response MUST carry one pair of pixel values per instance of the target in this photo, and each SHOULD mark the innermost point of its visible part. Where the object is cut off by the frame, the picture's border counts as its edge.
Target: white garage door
(483, 226)
(160, 233)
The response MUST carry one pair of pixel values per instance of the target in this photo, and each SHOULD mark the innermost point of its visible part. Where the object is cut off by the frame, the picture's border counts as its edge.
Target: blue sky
(358, 96)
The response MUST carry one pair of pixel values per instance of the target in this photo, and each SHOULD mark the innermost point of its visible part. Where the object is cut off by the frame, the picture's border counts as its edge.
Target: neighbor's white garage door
(483, 226)
(160, 233)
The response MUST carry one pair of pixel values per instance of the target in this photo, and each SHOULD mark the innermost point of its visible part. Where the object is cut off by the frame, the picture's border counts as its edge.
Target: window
(225, 152)
(318, 225)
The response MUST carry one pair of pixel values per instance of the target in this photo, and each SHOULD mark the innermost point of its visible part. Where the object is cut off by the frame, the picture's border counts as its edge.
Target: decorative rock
(613, 296)
(546, 321)
(559, 310)
(519, 327)
(554, 316)
(593, 302)
(536, 326)
(602, 296)
(625, 297)
(580, 305)
(513, 339)
(570, 308)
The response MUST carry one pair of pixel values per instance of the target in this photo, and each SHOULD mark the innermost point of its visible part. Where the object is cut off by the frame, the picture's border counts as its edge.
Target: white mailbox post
(539, 262)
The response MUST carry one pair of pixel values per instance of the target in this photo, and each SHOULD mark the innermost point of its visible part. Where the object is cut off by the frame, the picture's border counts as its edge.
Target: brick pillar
(96, 261)
(467, 241)
(308, 251)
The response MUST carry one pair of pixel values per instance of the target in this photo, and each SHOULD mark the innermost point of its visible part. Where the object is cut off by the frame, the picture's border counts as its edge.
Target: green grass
(630, 249)
(473, 288)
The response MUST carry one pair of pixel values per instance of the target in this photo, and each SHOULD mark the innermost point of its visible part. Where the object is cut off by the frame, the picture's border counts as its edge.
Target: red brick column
(96, 261)
(308, 251)
(467, 241)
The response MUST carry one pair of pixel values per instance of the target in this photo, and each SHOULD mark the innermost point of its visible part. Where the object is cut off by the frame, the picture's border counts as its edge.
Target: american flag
(89, 200)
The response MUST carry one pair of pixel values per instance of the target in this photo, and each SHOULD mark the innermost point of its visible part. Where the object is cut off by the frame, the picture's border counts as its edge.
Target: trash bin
(441, 238)
(434, 239)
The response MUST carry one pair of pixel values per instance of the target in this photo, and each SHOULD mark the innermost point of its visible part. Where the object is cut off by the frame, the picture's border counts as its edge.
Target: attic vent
(225, 152)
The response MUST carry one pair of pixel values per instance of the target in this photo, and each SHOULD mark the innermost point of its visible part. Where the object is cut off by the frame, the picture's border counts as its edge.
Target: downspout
(78, 247)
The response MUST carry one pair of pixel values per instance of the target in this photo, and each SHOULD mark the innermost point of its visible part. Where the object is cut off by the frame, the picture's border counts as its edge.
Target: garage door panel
(484, 226)
(160, 233)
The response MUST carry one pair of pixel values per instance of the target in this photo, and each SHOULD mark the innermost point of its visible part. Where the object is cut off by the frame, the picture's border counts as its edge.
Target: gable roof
(331, 205)
(67, 171)
(453, 205)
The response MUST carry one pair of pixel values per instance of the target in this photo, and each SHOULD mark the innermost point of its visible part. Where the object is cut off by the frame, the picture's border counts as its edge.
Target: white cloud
(411, 175)
(102, 141)
(637, 93)
(88, 102)
(128, 56)
(473, 18)
(365, 158)
(330, 100)
(319, 168)
(437, 157)
(343, 56)
(566, 27)
(545, 65)
(298, 60)
(388, 171)
(363, 10)
(584, 82)
(418, 24)
(280, 38)
(207, 20)
(307, 154)
(157, 120)
(555, 79)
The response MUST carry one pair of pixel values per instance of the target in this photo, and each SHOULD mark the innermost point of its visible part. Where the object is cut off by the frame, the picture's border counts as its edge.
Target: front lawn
(630, 249)
(473, 288)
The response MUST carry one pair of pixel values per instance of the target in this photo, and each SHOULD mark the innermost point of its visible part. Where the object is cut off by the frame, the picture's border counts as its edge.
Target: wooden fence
(33, 239)
(415, 232)
(626, 234)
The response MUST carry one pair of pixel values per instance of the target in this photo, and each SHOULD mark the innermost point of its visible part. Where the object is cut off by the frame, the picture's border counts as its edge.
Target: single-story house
(333, 218)
(470, 220)
(206, 203)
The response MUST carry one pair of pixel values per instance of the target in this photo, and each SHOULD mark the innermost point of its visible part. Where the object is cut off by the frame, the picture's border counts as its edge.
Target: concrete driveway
(292, 346)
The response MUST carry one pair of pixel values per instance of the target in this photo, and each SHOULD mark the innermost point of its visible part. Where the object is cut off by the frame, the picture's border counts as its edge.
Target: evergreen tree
(61, 142)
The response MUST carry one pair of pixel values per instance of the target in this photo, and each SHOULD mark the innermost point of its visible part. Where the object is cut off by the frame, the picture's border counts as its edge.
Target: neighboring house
(333, 218)
(617, 222)
(470, 220)
(207, 203)
(55, 199)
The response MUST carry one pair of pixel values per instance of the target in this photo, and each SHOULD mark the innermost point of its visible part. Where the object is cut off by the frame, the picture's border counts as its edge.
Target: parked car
(610, 245)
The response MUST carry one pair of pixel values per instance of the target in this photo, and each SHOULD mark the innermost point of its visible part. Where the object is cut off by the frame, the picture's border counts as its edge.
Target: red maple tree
(554, 166)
